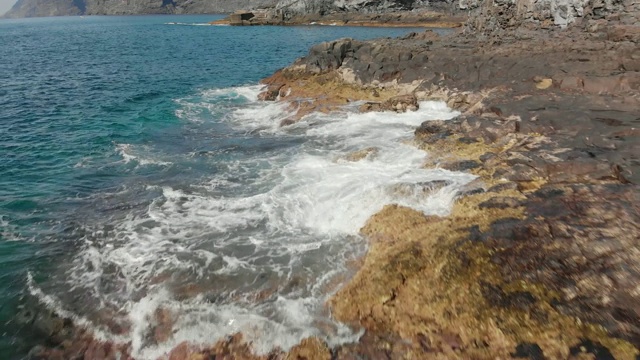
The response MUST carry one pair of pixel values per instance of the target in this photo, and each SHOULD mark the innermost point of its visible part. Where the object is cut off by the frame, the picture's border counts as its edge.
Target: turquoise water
(133, 153)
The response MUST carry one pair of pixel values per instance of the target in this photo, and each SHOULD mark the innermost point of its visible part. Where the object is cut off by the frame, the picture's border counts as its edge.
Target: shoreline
(538, 258)
(434, 25)
(541, 197)
(427, 19)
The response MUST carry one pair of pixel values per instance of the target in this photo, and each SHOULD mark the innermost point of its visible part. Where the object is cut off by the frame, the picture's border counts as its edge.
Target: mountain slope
(36, 8)
(33, 8)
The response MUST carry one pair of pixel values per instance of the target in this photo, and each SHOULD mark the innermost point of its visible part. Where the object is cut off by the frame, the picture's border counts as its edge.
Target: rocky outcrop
(400, 103)
(487, 16)
(368, 62)
(490, 16)
(293, 8)
(287, 11)
(35, 8)
(538, 257)
(407, 13)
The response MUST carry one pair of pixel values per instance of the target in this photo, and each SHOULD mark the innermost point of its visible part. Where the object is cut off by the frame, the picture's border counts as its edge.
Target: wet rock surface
(400, 103)
(580, 236)
(363, 15)
(542, 260)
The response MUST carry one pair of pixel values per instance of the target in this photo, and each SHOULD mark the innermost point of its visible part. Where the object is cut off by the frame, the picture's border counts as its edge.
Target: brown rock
(606, 84)
(371, 106)
(582, 171)
(271, 93)
(500, 202)
(361, 154)
(181, 352)
(309, 349)
(624, 33)
(461, 165)
(401, 103)
(571, 83)
(164, 325)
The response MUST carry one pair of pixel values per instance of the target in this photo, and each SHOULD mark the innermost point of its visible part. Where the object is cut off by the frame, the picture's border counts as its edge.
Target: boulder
(624, 33)
(402, 103)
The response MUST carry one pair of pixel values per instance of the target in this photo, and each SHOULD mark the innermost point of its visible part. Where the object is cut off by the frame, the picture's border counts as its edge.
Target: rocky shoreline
(417, 18)
(540, 256)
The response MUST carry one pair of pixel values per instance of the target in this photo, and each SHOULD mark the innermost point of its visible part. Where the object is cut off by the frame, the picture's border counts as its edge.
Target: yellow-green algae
(422, 277)
(452, 149)
(422, 280)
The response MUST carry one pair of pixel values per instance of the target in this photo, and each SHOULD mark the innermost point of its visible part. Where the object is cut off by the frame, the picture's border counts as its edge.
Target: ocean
(139, 174)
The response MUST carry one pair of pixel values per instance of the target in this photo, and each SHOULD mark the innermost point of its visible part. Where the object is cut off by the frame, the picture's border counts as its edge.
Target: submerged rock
(361, 154)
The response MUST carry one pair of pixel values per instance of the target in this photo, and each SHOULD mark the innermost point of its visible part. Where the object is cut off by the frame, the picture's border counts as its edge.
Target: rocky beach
(540, 255)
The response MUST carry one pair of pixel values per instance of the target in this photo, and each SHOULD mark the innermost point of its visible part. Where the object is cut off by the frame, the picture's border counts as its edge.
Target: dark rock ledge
(539, 258)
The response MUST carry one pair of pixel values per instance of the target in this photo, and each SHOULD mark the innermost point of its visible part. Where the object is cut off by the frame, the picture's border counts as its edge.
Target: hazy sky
(5, 5)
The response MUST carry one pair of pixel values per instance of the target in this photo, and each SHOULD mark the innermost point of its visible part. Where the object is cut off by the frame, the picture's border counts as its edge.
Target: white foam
(240, 103)
(249, 92)
(141, 315)
(82, 163)
(56, 306)
(337, 197)
(8, 232)
(127, 152)
(262, 117)
(282, 236)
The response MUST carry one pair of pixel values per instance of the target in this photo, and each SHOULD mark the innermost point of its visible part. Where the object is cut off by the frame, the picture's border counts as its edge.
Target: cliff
(33, 8)
(486, 16)
(293, 8)
(491, 15)
(290, 8)
(37, 8)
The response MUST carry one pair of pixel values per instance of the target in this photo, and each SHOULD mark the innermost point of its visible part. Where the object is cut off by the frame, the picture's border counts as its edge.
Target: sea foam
(257, 248)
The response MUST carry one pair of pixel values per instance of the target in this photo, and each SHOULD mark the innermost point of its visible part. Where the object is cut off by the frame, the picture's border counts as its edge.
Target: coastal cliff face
(33, 8)
(36, 8)
(292, 8)
(485, 15)
(492, 15)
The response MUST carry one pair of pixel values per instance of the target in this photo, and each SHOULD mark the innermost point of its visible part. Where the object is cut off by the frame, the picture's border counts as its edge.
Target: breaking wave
(259, 245)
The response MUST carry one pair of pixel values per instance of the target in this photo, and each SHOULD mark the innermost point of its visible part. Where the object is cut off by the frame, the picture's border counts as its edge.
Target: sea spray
(256, 247)
(70, 202)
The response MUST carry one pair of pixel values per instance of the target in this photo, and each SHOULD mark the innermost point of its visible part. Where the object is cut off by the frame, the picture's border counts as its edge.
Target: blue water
(106, 122)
